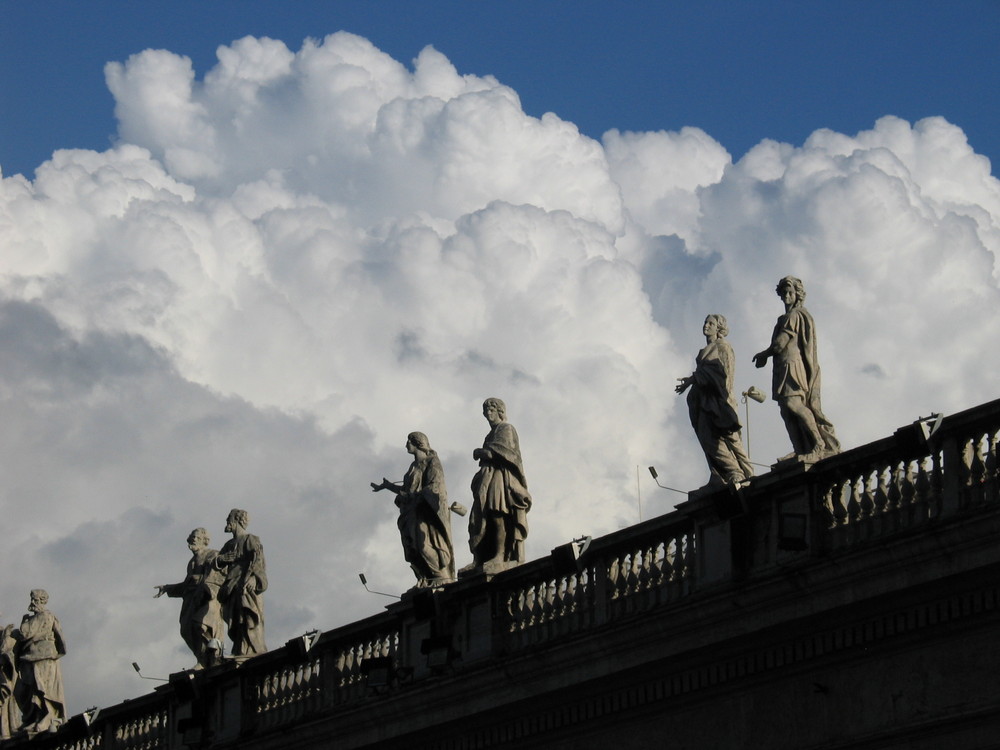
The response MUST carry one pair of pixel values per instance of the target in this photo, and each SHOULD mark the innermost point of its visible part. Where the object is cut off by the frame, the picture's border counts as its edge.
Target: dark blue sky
(742, 71)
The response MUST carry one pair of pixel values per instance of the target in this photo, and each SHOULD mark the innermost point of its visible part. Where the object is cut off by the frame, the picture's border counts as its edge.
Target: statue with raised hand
(424, 522)
(241, 560)
(796, 376)
(712, 408)
(201, 622)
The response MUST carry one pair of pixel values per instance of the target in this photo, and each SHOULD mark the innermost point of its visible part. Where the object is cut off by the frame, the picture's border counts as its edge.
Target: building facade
(852, 603)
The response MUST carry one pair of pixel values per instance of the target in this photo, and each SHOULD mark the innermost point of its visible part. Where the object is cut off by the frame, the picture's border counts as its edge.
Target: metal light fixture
(652, 471)
(753, 393)
(135, 666)
(364, 582)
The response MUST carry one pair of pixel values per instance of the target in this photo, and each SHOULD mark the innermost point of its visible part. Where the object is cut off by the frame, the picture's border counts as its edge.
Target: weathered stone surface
(201, 622)
(498, 521)
(39, 646)
(424, 514)
(796, 376)
(712, 408)
(241, 559)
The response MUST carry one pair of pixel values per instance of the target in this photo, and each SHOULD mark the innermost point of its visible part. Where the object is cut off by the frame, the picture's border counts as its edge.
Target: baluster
(557, 621)
(922, 489)
(656, 566)
(354, 676)
(614, 573)
(966, 459)
(529, 606)
(620, 585)
(571, 606)
(551, 600)
(585, 598)
(893, 495)
(689, 556)
(990, 480)
(839, 507)
(879, 484)
(673, 560)
(937, 484)
(624, 572)
(978, 471)
(978, 468)
(907, 491)
(633, 572)
(854, 501)
(513, 610)
(866, 500)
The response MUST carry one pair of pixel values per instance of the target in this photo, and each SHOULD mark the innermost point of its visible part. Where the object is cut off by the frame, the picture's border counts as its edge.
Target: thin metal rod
(364, 582)
(638, 491)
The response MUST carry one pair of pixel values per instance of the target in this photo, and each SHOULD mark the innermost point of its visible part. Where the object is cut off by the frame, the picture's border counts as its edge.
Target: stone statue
(39, 647)
(424, 522)
(201, 621)
(241, 559)
(796, 376)
(10, 715)
(712, 408)
(498, 522)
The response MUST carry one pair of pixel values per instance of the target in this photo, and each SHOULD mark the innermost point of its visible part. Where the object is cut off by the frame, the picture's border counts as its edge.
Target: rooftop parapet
(824, 519)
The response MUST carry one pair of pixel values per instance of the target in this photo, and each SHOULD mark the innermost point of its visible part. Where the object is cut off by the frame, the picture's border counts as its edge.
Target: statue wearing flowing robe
(40, 645)
(712, 408)
(498, 523)
(241, 594)
(201, 623)
(795, 382)
(424, 515)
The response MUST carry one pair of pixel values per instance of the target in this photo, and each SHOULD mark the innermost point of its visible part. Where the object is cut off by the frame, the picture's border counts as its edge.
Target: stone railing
(619, 575)
(920, 476)
(921, 473)
(318, 672)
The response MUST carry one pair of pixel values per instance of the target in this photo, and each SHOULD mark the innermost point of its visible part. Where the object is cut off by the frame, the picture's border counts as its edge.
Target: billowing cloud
(285, 266)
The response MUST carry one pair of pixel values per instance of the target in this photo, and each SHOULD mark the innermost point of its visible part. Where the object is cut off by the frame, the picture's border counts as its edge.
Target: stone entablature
(809, 571)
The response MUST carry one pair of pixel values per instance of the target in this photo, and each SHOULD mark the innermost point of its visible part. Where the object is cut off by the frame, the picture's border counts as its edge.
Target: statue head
(237, 518)
(721, 327)
(498, 406)
(419, 440)
(790, 282)
(198, 538)
(39, 598)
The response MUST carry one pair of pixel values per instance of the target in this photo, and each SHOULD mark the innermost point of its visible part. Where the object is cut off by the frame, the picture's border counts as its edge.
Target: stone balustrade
(923, 475)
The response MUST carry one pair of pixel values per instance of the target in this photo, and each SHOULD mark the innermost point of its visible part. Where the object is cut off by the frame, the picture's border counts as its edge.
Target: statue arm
(387, 485)
(170, 589)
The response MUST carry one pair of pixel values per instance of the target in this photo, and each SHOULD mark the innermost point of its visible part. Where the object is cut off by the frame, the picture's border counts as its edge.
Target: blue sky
(741, 71)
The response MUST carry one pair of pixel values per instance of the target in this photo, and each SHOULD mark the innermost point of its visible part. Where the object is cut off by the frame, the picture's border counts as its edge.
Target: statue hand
(682, 384)
(760, 358)
(160, 591)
